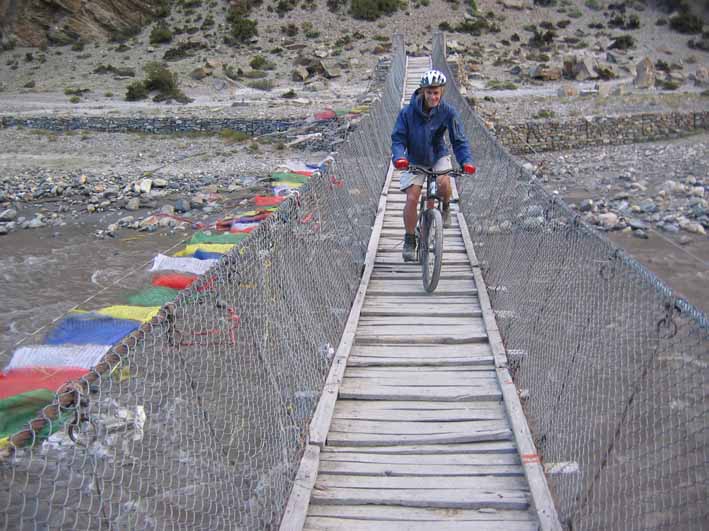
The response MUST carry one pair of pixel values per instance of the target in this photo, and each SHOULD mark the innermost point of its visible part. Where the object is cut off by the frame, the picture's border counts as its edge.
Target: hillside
(315, 53)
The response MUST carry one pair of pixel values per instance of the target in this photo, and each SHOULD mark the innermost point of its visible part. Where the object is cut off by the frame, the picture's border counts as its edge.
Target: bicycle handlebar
(415, 168)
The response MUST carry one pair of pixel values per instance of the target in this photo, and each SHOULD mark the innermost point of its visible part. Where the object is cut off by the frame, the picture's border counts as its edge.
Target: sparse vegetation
(687, 23)
(261, 84)
(160, 34)
(623, 42)
(158, 78)
(373, 9)
(289, 95)
(123, 71)
(259, 62)
(242, 30)
(544, 113)
(75, 99)
(136, 91)
(182, 50)
(231, 136)
(593, 4)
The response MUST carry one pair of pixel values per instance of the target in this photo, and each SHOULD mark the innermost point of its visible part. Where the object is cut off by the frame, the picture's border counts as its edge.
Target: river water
(46, 272)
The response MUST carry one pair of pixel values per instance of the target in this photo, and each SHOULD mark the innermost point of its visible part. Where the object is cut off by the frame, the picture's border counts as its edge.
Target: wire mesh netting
(199, 419)
(610, 365)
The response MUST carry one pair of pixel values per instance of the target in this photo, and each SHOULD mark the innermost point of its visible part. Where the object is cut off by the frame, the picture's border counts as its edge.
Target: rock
(612, 58)
(693, 227)
(330, 70)
(8, 215)
(4, 230)
(567, 91)
(545, 73)
(638, 224)
(645, 74)
(112, 229)
(198, 74)
(321, 53)
(701, 76)
(300, 73)
(604, 89)
(609, 220)
(133, 204)
(59, 37)
(648, 206)
(167, 222)
(619, 90)
(182, 205)
(214, 64)
(697, 191)
(586, 205)
(514, 4)
(585, 69)
(36, 223)
(454, 46)
(640, 234)
(160, 183)
(167, 209)
(669, 227)
(671, 186)
(145, 186)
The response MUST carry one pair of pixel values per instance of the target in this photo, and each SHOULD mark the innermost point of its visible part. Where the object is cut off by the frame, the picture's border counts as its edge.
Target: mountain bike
(429, 227)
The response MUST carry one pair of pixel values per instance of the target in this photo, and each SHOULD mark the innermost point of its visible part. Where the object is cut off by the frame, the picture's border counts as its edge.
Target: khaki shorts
(408, 178)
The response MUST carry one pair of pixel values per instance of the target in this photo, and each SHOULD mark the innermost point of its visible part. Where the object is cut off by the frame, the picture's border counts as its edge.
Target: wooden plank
(414, 350)
(393, 469)
(427, 299)
(419, 372)
(450, 338)
(320, 422)
(408, 405)
(416, 428)
(424, 381)
(423, 460)
(541, 496)
(358, 361)
(432, 322)
(317, 523)
(451, 498)
(419, 416)
(477, 447)
(359, 439)
(457, 286)
(299, 499)
(422, 311)
(395, 258)
(410, 362)
(327, 481)
(357, 391)
(395, 513)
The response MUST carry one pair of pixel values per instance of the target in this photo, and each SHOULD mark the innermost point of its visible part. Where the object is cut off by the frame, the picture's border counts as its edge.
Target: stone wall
(553, 135)
(252, 127)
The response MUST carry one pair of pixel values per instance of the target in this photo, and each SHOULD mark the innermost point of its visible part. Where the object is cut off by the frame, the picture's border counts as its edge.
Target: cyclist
(418, 138)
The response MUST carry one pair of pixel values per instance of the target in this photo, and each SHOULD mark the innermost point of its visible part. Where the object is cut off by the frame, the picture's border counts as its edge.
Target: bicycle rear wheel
(431, 249)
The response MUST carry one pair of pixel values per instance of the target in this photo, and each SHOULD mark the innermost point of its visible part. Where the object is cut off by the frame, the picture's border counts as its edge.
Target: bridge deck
(419, 436)
(416, 427)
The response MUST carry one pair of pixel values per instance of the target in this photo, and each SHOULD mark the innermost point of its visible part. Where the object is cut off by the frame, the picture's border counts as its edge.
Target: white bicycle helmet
(432, 78)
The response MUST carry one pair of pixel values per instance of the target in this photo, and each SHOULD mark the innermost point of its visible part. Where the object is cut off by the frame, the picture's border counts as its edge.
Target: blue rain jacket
(418, 137)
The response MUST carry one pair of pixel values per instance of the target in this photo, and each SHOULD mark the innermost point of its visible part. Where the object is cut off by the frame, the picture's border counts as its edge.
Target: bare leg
(443, 183)
(412, 198)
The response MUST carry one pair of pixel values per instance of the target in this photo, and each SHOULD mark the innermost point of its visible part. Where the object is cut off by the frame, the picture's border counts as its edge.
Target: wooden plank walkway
(414, 429)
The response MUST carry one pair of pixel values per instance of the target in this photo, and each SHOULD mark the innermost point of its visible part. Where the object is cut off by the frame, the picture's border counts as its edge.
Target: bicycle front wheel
(431, 249)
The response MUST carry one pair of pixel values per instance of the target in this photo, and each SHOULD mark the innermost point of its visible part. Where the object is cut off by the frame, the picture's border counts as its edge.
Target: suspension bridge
(306, 381)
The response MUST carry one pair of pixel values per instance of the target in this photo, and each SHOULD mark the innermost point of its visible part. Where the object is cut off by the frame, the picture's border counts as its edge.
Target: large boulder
(645, 74)
(300, 73)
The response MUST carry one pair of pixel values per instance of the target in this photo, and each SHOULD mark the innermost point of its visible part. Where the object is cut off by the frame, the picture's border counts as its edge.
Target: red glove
(468, 168)
(401, 164)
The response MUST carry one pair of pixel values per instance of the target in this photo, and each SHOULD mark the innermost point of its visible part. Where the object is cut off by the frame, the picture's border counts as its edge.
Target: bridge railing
(198, 421)
(611, 366)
